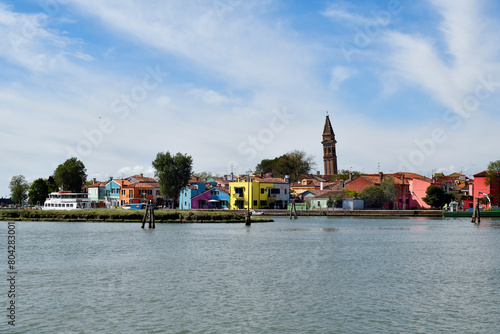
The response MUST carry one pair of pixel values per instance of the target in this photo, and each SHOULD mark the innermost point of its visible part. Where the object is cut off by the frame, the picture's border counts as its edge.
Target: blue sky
(409, 85)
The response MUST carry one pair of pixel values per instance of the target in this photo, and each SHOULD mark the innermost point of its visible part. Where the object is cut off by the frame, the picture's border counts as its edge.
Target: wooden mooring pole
(149, 215)
(293, 211)
(248, 218)
(476, 216)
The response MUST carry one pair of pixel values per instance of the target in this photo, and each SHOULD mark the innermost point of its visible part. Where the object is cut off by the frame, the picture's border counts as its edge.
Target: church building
(329, 152)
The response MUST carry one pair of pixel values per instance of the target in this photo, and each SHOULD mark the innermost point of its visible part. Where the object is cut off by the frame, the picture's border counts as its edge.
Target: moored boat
(65, 200)
(486, 214)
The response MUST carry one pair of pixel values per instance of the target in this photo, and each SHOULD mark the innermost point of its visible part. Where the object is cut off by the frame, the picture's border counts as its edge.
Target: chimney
(317, 172)
(381, 177)
(94, 181)
(111, 178)
(321, 186)
(141, 175)
(350, 176)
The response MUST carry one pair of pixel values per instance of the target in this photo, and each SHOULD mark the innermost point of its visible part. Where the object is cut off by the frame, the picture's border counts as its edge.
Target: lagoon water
(312, 275)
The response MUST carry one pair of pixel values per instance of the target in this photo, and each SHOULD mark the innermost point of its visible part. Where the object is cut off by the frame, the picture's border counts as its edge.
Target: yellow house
(260, 192)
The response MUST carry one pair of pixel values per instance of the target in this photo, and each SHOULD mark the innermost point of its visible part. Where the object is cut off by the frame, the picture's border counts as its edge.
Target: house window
(262, 190)
(285, 191)
(274, 191)
(123, 192)
(263, 204)
(255, 203)
(157, 193)
(131, 193)
(214, 192)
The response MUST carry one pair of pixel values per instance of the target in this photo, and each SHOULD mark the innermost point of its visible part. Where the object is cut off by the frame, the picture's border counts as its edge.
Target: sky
(408, 85)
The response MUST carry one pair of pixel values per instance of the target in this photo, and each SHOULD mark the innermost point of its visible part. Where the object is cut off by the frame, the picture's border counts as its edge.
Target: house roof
(141, 185)
(481, 174)
(97, 184)
(140, 178)
(268, 179)
(326, 193)
(397, 177)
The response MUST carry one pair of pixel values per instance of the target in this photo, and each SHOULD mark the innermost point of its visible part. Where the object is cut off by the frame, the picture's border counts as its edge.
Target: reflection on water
(371, 275)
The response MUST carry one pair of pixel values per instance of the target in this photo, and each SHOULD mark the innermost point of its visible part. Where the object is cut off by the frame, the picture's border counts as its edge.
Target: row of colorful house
(118, 192)
(230, 192)
(267, 192)
(236, 192)
(411, 189)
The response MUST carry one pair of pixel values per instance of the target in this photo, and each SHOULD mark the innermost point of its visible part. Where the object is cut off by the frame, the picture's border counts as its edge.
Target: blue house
(213, 198)
(219, 198)
(188, 193)
(112, 193)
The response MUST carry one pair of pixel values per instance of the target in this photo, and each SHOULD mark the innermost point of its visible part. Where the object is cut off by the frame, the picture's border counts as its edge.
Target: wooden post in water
(293, 210)
(248, 218)
(149, 215)
(475, 214)
(478, 215)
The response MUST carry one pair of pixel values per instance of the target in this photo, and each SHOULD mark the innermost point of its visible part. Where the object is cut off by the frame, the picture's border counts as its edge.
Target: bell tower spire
(329, 152)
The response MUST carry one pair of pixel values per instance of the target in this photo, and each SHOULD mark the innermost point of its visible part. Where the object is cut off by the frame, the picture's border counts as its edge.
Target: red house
(404, 200)
(481, 188)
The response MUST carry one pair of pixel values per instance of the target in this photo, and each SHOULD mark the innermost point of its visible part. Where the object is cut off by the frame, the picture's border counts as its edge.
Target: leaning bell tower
(329, 152)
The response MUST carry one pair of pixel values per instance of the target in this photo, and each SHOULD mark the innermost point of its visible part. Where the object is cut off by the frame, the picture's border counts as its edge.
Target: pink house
(405, 197)
(418, 188)
(480, 188)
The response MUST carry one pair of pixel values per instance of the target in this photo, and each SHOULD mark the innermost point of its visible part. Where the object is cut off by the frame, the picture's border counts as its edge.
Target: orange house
(140, 192)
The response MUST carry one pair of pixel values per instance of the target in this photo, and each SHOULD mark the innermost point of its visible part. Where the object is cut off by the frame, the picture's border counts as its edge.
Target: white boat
(65, 200)
(256, 213)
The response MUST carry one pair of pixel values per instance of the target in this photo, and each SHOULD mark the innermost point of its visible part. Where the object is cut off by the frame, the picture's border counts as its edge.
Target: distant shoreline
(125, 216)
(192, 216)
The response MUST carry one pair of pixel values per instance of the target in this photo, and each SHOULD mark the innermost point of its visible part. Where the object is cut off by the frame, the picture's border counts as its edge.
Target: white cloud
(339, 12)
(26, 41)
(210, 96)
(136, 170)
(341, 74)
(452, 76)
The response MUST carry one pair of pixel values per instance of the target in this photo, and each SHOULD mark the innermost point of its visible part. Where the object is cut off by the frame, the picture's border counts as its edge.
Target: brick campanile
(329, 152)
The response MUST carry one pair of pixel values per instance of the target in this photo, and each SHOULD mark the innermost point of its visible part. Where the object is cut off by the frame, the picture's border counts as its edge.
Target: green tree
(205, 175)
(38, 192)
(18, 189)
(51, 184)
(295, 163)
(390, 191)
(337, 199)
(173, 173)
(344, 175)
(373, 197)
(436, 197)
(71, 175)
(331, 201)
(493, 179)
(350, 193)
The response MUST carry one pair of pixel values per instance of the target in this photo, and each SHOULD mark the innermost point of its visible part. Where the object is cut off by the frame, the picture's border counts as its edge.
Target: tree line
(172, 171)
